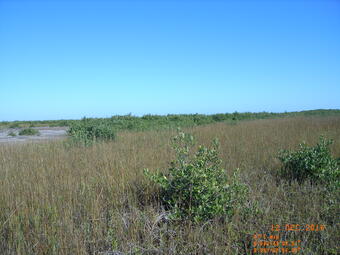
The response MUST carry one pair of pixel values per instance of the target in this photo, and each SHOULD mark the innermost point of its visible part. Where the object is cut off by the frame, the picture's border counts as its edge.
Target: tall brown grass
(59, 199)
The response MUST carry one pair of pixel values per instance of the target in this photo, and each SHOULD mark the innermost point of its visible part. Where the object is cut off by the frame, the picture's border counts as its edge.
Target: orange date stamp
(298, 227)
(273, 244)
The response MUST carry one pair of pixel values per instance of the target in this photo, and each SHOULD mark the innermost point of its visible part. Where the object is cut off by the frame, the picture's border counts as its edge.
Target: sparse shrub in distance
(236, 116)
(310, 162)
(60, 123)
(12, 134)
(63, 123)
(29, 131)
(219, 117)
(196, 187)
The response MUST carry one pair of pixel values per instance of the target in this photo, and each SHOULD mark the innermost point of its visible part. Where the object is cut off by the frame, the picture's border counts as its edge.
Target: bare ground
(46, 133)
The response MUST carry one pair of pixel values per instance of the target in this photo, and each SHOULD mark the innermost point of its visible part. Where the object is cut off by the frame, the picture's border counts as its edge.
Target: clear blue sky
(69, 59)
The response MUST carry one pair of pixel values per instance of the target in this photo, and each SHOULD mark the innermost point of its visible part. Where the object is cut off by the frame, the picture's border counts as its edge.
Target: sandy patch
(46, 133)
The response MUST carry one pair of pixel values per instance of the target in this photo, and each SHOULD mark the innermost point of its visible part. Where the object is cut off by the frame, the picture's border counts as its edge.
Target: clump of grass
(29, 131)
(12, 133)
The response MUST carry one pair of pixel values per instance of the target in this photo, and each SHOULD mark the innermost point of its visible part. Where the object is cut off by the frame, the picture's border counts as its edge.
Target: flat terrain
(46, 133)
(58, 198)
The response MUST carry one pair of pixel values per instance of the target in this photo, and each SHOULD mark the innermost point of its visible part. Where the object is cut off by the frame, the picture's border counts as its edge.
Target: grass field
(62, 199)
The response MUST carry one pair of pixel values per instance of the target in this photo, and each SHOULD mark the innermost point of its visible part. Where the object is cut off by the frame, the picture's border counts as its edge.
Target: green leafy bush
(29, 131)
(196, 187)
(313, 163)
(87, 132)
(12, 133)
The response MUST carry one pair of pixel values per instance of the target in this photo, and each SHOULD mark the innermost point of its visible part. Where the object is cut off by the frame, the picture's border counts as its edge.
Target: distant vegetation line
(149, 121)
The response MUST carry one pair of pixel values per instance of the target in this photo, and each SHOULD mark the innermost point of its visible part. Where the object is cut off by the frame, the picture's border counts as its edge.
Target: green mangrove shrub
(29, 131)
(87, 132)
(314, 163)
(196, 187)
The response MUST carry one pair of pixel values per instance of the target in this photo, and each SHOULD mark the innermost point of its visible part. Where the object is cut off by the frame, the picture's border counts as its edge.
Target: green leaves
(29, 131)
(87, 131)
(313, 163)
(196, 187)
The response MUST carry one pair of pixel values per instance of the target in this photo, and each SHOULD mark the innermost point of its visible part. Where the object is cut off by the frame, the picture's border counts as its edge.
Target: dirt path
(46, 133)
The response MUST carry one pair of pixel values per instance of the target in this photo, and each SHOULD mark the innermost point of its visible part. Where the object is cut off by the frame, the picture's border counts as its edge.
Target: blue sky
(69, 59)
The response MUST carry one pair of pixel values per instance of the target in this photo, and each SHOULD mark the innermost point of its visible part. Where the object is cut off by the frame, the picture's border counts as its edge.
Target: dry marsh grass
(58, 199)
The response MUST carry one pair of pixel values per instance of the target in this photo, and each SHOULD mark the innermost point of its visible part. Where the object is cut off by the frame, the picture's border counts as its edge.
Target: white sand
(46, 133)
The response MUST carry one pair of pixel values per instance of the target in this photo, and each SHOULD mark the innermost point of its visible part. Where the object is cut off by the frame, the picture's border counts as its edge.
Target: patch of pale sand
(46, 133)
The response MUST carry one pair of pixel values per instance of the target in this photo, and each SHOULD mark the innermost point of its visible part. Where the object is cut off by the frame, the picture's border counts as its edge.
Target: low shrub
(314, 163)
(196, 187)
(87, 132)
(12, 133)
(29, 131)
